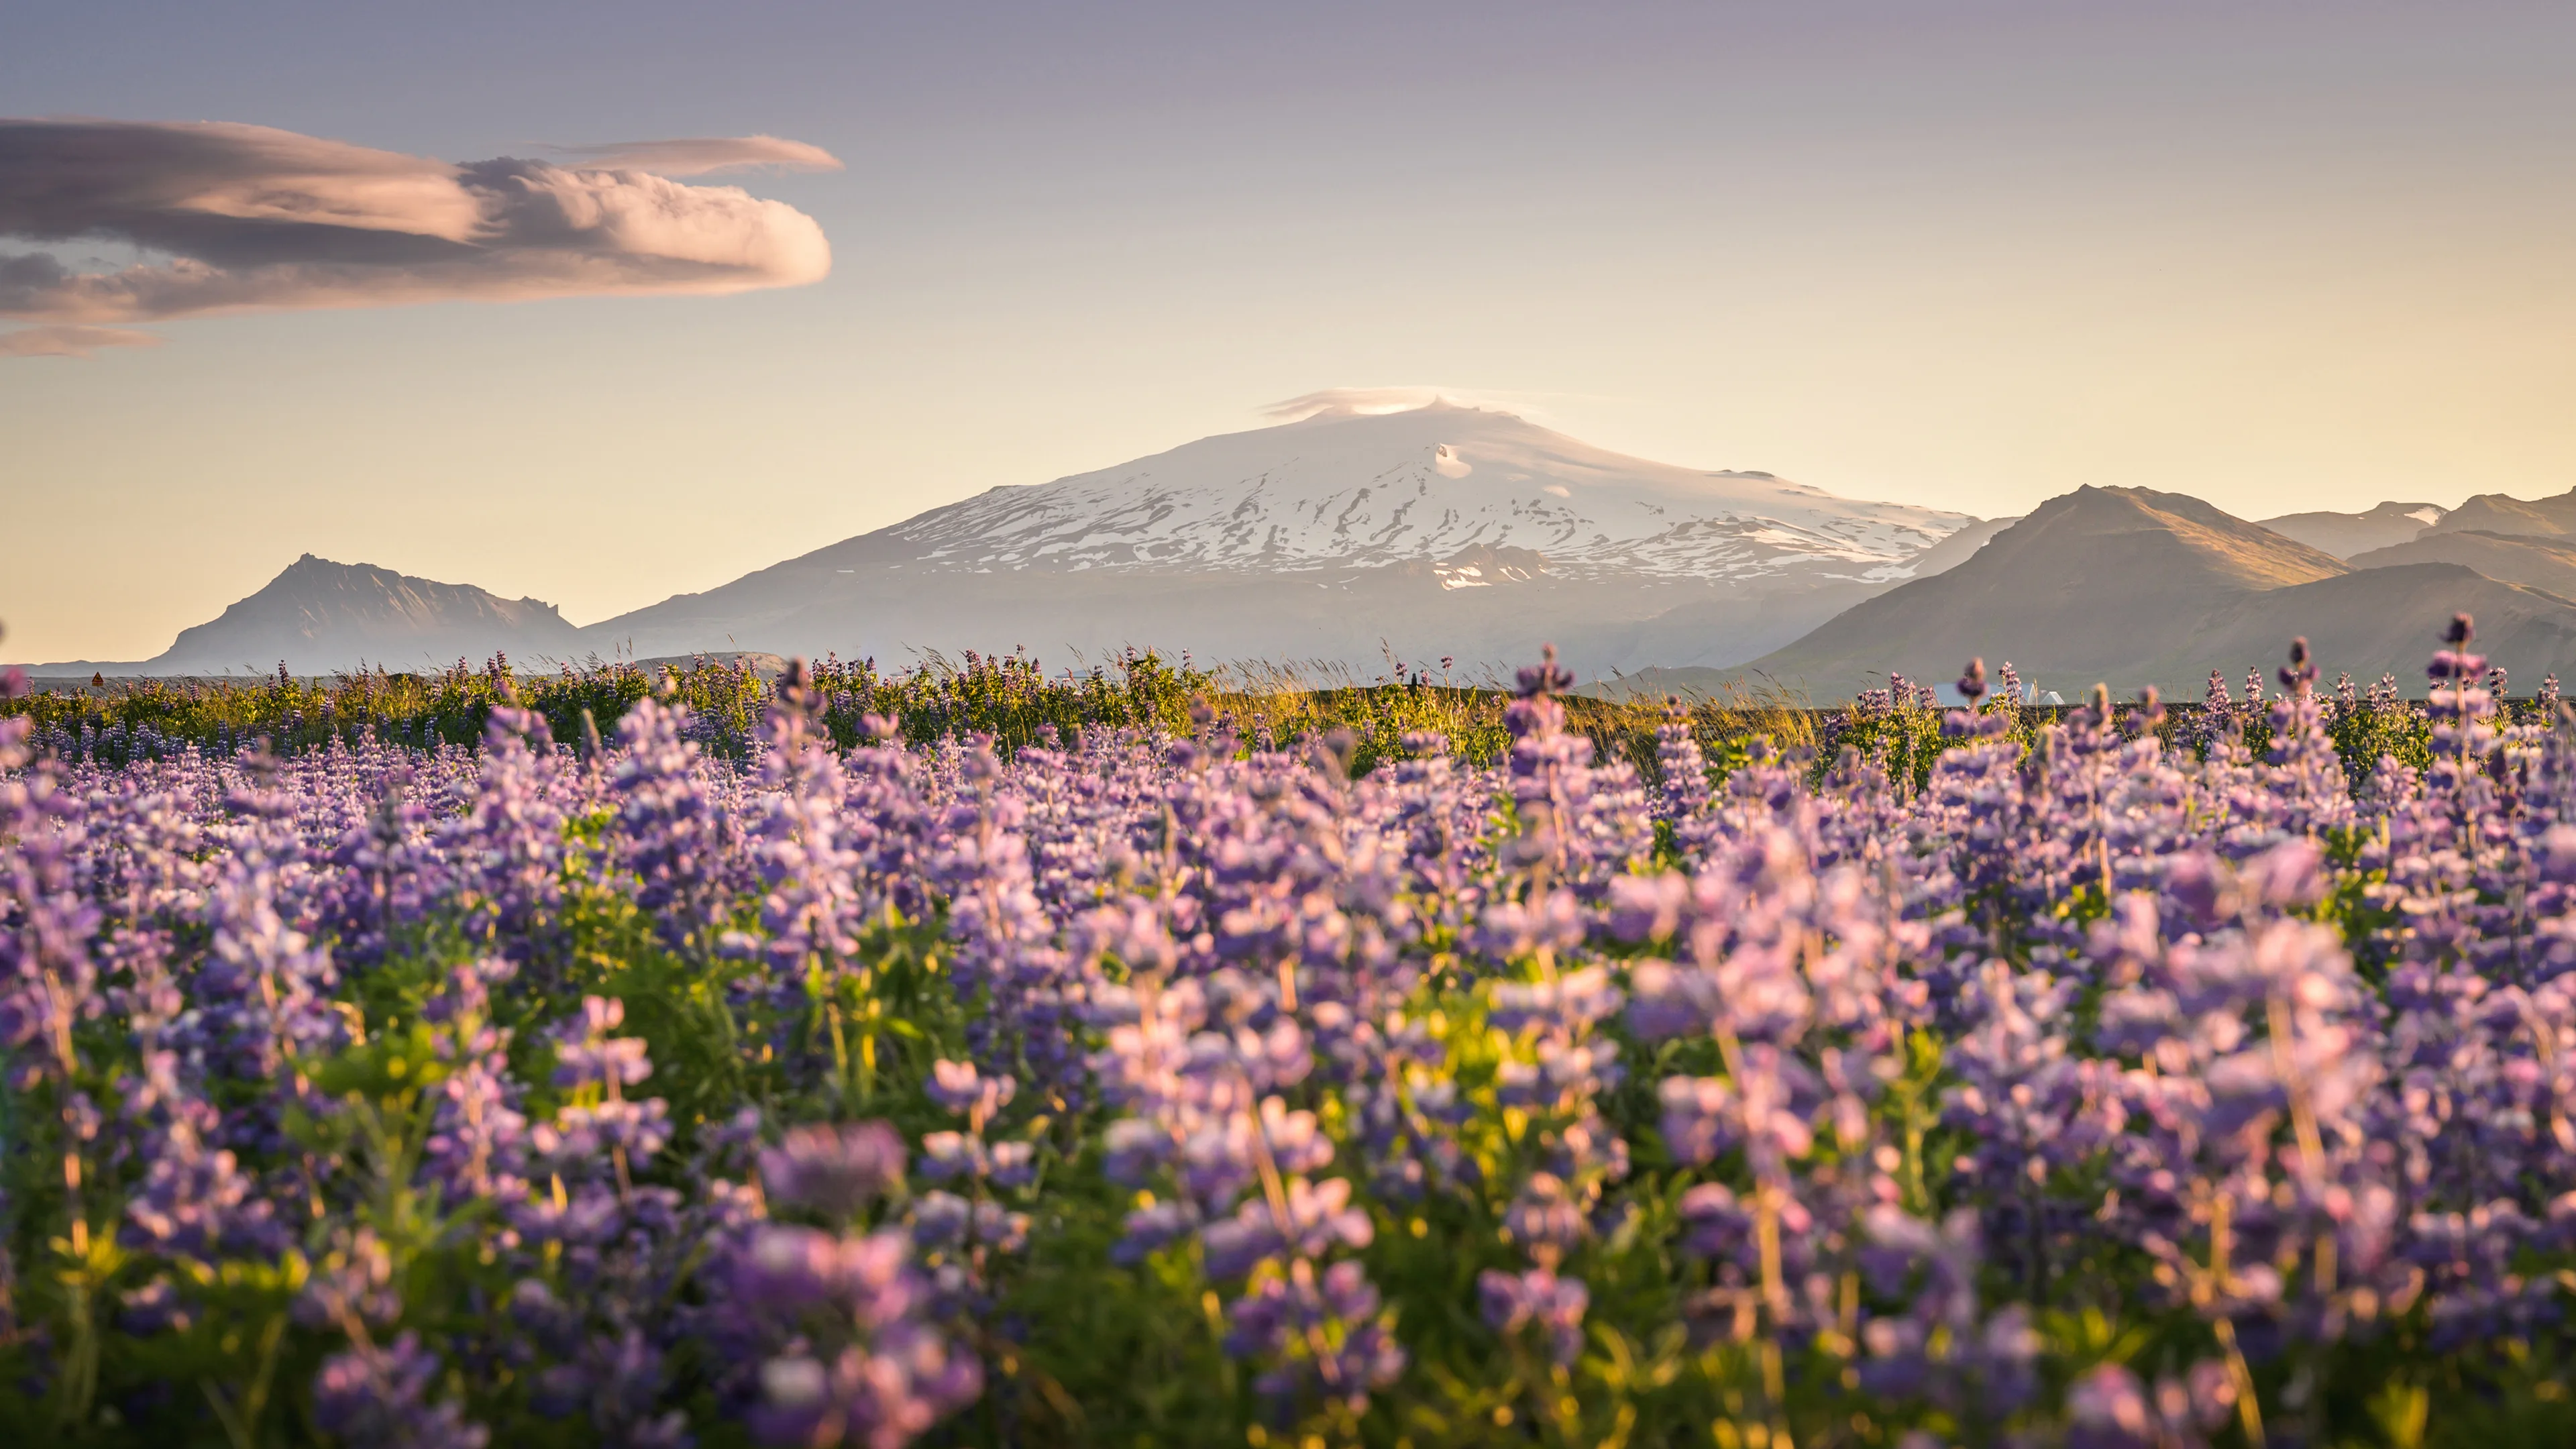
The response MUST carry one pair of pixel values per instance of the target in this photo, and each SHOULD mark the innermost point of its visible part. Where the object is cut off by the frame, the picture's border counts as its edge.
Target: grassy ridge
(1012, 699)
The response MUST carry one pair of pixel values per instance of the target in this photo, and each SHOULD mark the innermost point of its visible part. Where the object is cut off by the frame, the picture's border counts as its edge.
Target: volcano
(1348, 538)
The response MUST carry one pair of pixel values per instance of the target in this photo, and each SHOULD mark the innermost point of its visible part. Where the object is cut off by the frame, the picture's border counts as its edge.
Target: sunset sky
(2280, 256)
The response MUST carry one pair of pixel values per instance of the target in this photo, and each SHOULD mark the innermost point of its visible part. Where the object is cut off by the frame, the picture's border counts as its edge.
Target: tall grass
(1017, 702)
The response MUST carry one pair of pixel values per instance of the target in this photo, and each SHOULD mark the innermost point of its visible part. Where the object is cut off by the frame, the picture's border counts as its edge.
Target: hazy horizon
(2310, 257)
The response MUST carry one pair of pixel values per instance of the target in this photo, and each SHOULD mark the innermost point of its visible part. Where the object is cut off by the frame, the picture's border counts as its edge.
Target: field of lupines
(635, 1060)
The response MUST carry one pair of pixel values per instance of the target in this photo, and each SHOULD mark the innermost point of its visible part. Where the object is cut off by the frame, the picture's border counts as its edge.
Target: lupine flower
(834, 1170)
(372, 1395)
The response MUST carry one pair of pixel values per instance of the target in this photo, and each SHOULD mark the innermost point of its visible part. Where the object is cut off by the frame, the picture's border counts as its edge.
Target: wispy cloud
(71, 341)
(256, 219)
(705, 157)
(1352, 402)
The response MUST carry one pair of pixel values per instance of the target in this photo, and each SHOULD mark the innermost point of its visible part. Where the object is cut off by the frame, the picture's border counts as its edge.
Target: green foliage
(1012, 699)
(1009, 698)
(1904, 740)
(2362, 736)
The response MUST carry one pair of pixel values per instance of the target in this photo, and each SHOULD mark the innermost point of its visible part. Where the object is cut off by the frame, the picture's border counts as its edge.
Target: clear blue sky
(1969, 254)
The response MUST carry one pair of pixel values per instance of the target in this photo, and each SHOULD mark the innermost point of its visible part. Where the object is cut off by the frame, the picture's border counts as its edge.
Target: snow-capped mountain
(1341, 537)
(1344, 490)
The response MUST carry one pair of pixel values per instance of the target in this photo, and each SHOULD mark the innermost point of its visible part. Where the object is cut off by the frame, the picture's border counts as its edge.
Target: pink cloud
(1347, 402)
(70, 341)
(256, 219)
(708, 156)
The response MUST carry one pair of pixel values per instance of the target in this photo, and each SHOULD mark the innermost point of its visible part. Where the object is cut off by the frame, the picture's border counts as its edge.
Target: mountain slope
(2346, 534)
(2091, 582)
(2496, 513)
(2373, 622)
(1440, 530)
(319, 616)
(2543, 563)
(2131, 587)
(1959, 547)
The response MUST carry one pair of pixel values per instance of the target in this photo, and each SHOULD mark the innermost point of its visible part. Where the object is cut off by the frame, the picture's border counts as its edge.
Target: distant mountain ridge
(319, 616)
(2131, 587)
(2553, 517)
(2346, 534)
(2542, 562)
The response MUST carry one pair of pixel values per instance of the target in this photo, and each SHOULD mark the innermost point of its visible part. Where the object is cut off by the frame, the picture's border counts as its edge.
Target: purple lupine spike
(380, 1395)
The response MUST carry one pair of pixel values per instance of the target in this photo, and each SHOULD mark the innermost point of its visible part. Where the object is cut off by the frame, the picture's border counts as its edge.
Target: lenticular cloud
(241, 218)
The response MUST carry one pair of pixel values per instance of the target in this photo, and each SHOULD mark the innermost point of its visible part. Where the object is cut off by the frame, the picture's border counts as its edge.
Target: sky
(1969, 254)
